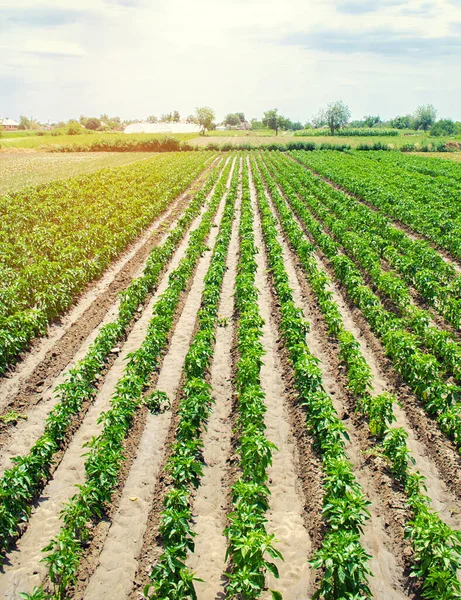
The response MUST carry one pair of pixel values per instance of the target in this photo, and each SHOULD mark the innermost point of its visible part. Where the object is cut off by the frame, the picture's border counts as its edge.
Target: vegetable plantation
(233, 375)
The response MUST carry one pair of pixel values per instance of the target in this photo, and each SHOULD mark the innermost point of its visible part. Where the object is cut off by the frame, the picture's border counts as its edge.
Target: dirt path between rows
(209, 508)
(24, 569)
(33, 376)
(386, 563)
(286, 502)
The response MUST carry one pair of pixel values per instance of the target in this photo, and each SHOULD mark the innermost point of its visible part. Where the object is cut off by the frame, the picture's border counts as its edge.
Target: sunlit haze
(133, 58)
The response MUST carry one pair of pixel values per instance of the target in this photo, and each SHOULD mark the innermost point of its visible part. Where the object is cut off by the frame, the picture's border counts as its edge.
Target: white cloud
(138, 57)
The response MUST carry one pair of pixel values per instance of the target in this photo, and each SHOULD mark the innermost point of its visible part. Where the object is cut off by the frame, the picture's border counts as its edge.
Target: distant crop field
(238, 138)
(44, 142)
(18, 170)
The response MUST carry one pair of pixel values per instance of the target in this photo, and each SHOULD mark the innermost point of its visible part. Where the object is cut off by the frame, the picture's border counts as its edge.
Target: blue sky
(134, 58)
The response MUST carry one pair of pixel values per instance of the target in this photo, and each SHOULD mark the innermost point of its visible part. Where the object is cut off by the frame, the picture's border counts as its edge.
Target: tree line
(333, 117)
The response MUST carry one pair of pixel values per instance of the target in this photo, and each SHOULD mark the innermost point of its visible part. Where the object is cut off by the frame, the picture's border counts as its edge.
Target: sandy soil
(285, 517)
(117, 563)
(385, 564)
(18, 440)
(24, 569)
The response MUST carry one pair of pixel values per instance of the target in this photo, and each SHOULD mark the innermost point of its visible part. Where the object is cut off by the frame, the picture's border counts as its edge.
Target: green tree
(401, 122)
(335, 115)
(176, 117)
(152, 119)
(371, 121)
(424, 116)
(232, 120)
(25, 122)
(93, 123)
(443, 127)
(74, 128)
(241, 116)
(191, 119)
(255, 124)
(205, 118)
(273, 120)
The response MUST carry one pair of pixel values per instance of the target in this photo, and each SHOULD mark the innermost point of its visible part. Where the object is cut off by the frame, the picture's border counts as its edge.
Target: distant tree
(241, 116)
(232, 120)
(93, 123)
(443, 127)
(292, 125)
(255, 124)
(371, 120)
(335, 115)
(401, 122)
(74, 128)
(25, 122)
(205, 118)
(152, 119)
(190, 119)
(176, 117)
(166, 118)
(424, 116)
(273, 120)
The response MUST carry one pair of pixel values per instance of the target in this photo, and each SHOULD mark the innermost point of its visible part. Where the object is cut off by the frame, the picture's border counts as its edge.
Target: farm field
(49, 142)
(18, 170)
(258, 138)
(250, 381)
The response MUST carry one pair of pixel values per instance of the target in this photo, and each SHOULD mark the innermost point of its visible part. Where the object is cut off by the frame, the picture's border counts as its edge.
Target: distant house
(9, 124)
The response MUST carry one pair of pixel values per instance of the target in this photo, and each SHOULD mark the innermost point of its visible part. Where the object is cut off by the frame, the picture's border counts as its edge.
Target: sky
(60, 59)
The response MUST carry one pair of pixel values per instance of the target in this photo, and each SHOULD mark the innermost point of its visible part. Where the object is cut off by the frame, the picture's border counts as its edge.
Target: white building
(9, 124)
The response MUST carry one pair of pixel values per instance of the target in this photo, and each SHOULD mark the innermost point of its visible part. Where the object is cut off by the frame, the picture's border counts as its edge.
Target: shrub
(74, 128)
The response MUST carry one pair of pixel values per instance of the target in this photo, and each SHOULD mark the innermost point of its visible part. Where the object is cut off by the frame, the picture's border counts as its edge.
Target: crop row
(170, 576)
(250, 547)
(56, 238)
(105, 455)
(445, 170)
(435, 545)
(429, 208)
(419, 265)
(419, 369)
(345, 508)
(21, 483)
(390, 285)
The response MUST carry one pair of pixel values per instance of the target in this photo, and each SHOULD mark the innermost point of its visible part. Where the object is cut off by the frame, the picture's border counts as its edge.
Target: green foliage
(170, 577)
(371, 120)
(401, 122)
(69, 232)
(20, 484)
(424, 117)
(436, 570)
(12, 417)
(74, 128)
(443, 127)
(335, 115)
(205, 117)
